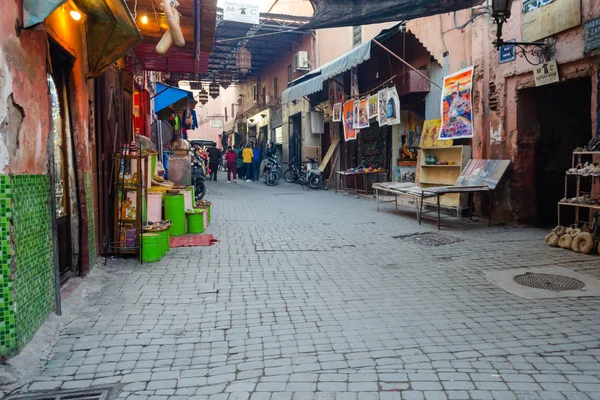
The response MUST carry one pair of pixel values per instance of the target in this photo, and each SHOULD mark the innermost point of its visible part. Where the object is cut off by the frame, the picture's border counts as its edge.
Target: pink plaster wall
(23, 77)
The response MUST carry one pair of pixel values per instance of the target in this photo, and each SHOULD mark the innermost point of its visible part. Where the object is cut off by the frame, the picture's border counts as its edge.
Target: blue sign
(507, 53)
(530, 5)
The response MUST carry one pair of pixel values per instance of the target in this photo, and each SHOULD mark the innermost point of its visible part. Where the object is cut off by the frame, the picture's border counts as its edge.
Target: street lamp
(501, 13)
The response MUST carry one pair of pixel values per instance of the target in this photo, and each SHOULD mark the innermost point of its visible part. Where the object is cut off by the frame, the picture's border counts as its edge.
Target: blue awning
(312, 81)
(169, 95)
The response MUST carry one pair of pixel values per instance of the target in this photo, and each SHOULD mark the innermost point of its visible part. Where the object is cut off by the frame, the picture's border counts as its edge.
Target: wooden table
(420, 194)
(342, 176)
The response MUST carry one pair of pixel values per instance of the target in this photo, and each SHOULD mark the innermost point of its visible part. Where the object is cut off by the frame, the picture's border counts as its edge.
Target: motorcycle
(198, 173)
(272, 171)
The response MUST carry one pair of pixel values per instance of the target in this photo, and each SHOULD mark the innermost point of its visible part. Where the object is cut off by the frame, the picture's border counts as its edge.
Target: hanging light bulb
(203, 95)
(243, 60)
(213, 89)
(144, 19)
(224, 78)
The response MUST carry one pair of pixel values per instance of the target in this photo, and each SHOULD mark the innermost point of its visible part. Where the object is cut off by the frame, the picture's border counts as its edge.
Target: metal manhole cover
(557, 283)
(429, 239)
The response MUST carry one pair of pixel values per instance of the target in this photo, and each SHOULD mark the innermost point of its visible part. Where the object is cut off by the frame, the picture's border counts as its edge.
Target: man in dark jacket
(214, 158)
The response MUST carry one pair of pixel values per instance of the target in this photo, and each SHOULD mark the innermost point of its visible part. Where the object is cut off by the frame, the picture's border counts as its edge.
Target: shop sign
(546, 73)
(591, 30)
(240, 12)
(507, 53)
(216, 123)
(530, 5)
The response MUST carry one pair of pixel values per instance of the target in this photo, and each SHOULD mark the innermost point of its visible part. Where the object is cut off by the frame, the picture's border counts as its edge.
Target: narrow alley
(313, 295)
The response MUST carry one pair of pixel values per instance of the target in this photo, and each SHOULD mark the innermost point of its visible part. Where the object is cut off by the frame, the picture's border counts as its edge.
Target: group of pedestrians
(241, 161)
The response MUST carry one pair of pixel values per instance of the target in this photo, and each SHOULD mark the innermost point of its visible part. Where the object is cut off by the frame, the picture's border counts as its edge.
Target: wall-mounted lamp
(76, 15)
(251, 120)
(263, 115)
(501, 13)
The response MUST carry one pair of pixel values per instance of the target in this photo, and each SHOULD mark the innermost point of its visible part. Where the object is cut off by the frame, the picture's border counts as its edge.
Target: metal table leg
(438, 212)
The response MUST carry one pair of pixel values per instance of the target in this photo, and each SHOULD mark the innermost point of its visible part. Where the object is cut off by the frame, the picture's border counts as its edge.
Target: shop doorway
(553, 121)
(295, 138)
(63, 168)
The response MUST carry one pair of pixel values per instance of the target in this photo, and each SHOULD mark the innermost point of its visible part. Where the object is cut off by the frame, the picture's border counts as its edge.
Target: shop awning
(36, 11)
(169, 95)
(312, 82)
(337, 13)
(111, 32)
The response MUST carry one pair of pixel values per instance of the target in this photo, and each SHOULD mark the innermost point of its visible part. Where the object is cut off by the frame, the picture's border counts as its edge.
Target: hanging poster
(363, 117)
(348, 119)
(337, 112)
(354, 83)
(355, 115)
(393, 107)
(457, 113)
(429, 137)
(382, 105)
(373, 106)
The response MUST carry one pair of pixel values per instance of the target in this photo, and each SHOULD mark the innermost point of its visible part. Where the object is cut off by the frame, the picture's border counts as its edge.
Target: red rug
(193, 240)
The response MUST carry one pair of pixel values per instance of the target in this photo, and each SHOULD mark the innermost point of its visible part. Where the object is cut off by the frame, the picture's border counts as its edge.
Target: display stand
(444, 175)
(581, 183)
(127, 218)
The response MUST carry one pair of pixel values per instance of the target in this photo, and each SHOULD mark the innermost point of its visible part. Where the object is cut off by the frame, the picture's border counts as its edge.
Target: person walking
(255, 163)
(239, 161)
(214, 157)
(231, 159)
(247, 155)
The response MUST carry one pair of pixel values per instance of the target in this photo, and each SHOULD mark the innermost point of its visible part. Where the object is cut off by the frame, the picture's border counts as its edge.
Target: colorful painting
(393, 107)
(348, 120)
(483, 173)
(337, 112)
(457, 108)
(382, 102)
(373, 109)
(429, 137)
(363, 117)
(354, 92)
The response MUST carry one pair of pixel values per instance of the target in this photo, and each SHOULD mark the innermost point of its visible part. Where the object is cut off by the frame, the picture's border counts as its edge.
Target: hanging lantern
(203, 95)
(213, 89)
(243, 60)
(224, 78)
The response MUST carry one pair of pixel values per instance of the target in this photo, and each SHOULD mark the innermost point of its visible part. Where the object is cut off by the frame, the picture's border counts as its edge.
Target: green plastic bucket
(168, 239)
(163, 243)
(175, 211)
(151, 247)
(196, 222)
(152, 165)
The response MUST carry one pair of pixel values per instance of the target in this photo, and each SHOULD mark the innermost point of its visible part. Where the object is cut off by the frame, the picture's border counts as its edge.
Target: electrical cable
(478, 14)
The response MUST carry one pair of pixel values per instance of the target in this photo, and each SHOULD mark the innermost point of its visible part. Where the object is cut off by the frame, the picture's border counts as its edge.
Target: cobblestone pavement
(312, 295)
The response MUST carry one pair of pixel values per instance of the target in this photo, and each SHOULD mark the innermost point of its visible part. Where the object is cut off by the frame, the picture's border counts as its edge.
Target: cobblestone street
(313, 295)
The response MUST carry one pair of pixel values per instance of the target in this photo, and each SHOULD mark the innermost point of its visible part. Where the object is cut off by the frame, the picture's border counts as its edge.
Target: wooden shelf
(441, 166)
(587, 152)
(592, 206)
(442, 147)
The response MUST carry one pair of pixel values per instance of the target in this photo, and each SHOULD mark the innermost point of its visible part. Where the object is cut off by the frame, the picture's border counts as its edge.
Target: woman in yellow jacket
(247, 155)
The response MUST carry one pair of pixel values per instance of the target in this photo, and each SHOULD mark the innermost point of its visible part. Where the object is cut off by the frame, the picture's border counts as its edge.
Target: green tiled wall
(87, 177)
(33, 253)
(8, 331)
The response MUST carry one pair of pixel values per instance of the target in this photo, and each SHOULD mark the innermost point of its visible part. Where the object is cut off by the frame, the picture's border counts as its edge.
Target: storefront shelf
(592, 206)
(441, 166)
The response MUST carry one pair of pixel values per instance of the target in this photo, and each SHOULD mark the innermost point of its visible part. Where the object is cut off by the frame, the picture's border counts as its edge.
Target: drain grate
(557, 283)
(98, 394)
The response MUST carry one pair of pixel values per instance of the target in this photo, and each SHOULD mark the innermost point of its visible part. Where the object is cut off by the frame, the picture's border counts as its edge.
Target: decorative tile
(33, 253)
(8, 331)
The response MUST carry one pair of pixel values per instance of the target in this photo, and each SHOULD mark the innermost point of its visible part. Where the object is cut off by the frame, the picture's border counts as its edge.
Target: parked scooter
(198, 172)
